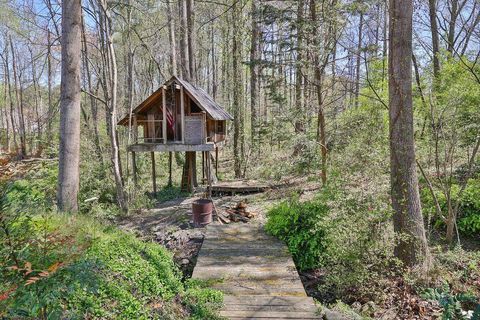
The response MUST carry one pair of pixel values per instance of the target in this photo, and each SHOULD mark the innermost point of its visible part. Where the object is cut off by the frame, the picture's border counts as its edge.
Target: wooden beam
(160, 147)
(154, 177)
(182, 112)
(164, 109)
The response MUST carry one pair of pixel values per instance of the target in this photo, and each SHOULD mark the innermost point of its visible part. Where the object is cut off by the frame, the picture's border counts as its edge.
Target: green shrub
(300, 226)
(94, 271)
(35, 192)
(342, 233)
(469, 209)
(453, 304)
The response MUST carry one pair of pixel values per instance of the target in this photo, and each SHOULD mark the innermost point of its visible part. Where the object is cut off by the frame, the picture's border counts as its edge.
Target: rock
(328, 314)
(185, 261)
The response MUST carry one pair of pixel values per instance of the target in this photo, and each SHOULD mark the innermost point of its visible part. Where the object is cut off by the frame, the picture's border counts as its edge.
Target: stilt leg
(154, 177)
(170, 169)
(216, 162)
(209, 176)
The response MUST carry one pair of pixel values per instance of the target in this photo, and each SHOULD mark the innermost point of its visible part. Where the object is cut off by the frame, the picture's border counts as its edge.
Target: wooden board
(174, 147)
(256, 273)
(194, 129)
(239, 186)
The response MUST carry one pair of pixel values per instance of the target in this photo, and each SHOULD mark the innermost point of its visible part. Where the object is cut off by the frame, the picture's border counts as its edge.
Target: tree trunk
(359, 59)
(22, 153)
(412, 248)
(254, 73)
(37, 96)
(184, 40)
(237, 92)
(93, 101)
(50, 110)
(432, 9)
(171, 38)
(111, 82)
(191, 40)
(299, 123)
(69, 153)
(10, 99)
(451, 25)
(319, 74)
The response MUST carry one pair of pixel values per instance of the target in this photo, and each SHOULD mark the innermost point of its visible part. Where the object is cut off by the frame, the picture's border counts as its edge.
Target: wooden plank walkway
(239, 186)
(255, 272)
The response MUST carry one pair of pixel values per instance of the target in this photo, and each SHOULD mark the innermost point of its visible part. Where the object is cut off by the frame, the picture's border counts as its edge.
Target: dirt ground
(171, 224)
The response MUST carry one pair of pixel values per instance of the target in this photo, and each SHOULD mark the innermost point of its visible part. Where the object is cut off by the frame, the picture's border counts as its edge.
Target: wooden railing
(156, 137)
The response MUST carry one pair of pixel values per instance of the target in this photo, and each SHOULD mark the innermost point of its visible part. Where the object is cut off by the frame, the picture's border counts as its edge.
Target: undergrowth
(55, 266)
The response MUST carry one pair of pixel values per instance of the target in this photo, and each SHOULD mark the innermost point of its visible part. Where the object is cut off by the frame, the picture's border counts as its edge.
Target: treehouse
(178, 117)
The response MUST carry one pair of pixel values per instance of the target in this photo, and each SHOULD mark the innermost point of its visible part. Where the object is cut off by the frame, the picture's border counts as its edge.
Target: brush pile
(238, 213)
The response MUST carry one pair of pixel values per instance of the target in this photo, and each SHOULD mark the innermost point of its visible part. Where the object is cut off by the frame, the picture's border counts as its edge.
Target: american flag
(170, 119)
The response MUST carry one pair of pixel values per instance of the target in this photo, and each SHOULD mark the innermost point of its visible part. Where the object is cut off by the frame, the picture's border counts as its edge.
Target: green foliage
(35, 192)
(469, 208)
(94, 271)
(452, 303)
(340, 233)
(170, 193)
(300, 226)
(459, 99)
(202, 301)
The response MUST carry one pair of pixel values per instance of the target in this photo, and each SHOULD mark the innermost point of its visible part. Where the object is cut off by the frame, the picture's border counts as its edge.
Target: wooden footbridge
(255, 272)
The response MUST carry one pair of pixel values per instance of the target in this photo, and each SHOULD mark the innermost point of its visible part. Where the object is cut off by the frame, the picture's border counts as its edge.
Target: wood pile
(238, 213)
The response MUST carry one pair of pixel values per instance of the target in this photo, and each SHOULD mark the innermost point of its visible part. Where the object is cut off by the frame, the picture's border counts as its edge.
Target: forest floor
(170, 224)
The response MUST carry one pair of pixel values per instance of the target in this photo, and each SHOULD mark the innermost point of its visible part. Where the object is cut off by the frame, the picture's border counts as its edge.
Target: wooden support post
(209, 176)
(203, 167)
(135, 129)
(164, 109)
(170, 169)
(134, 168)
(216, 162)
(154, 177)
(182, 112)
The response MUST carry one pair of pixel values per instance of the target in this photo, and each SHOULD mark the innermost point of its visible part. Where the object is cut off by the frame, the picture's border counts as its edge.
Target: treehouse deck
(173, 147)
(255, 272)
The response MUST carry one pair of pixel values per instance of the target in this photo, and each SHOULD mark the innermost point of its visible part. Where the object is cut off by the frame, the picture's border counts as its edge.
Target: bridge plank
(255, 272)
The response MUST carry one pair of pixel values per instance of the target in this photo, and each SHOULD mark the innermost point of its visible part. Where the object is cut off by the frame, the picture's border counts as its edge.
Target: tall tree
(171, 40)
(254, 71)
(184, 40)
(359, 57)
(69, 153)
(411, 248)
(299, 123)
(432, 10)
(238, 135)
(110, 83)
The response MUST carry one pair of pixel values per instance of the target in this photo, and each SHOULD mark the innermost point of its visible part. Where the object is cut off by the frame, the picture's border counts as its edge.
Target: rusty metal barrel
(202, 212)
